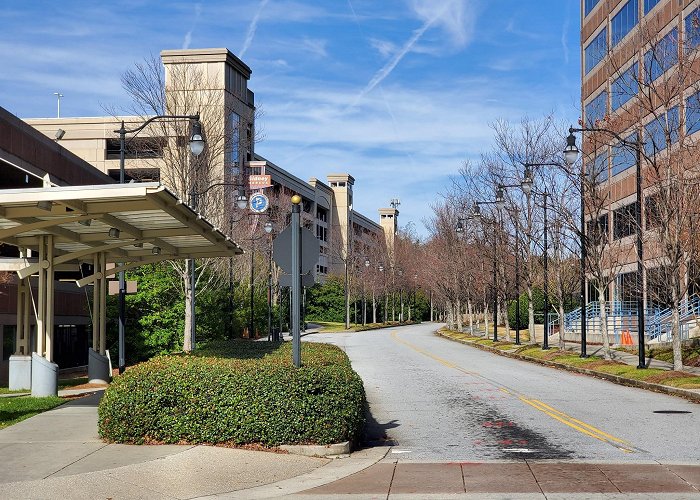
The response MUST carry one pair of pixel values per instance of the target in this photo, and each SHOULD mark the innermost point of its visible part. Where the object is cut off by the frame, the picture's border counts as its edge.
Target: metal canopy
(130, 223)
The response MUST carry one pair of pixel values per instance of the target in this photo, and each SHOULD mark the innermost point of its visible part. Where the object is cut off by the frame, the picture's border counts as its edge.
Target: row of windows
(588, 6)
(623, 22)
(624, 221)
(659, 134)
(663, 56)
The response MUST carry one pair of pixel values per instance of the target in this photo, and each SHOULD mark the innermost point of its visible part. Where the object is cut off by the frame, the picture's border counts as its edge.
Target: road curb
(319, 450)
(665, 389)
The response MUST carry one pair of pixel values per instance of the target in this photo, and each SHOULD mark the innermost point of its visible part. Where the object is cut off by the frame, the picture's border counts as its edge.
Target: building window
(661, 57)
(623, 157)
(321, 214)
(598, 168)
(692, 113)
(597, 108)
(661, 132)
(648, 5)
(651, 211)
(235, 141)
(624, 87)
(597, 230)
(692, 30)
(588, 6)
(596, 50)
(322, 233)
(623, 22)
(624, 221)
(9, 335)
(136, 147)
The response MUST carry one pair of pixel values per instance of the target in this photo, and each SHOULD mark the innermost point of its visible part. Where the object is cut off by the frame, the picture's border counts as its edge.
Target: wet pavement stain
(499, 437)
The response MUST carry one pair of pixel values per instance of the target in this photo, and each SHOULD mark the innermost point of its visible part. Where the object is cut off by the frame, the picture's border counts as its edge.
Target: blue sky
(397, 92)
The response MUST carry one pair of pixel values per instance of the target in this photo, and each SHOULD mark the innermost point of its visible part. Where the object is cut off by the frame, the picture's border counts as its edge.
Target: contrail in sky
(380, 75)
(251, 29)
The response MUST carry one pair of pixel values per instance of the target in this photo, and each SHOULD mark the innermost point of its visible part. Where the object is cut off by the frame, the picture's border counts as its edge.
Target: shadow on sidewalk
(375, 433)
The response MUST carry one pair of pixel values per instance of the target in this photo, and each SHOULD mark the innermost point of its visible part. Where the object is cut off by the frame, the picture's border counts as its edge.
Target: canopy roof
(129, 222)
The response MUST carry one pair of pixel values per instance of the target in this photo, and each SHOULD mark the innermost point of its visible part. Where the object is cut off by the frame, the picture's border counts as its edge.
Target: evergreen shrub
(237, 392)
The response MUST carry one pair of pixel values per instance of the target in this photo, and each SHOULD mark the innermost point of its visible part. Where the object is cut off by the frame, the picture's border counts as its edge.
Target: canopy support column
(98, 363)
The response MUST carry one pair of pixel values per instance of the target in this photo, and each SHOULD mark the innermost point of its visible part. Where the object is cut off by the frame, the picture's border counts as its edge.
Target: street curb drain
(673, 391)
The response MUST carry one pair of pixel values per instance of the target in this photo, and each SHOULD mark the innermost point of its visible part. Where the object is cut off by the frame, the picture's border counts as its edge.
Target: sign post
(296, 281)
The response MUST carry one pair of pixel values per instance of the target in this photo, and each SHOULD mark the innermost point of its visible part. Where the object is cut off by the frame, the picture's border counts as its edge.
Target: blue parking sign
(259, 203)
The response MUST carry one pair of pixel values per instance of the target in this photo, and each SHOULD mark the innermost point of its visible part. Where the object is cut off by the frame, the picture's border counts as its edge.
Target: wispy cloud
(252, 27)
(564, 37)
(188, 36)
(315, 46)
(451, 15)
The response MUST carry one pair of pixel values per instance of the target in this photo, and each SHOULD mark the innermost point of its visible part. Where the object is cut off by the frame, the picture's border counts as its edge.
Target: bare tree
(188, 90)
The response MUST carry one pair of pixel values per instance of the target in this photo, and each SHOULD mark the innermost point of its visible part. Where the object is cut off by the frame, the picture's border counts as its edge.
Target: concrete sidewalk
(58, 454)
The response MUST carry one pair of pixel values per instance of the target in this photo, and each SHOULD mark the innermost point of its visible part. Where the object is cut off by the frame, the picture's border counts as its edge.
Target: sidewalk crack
(75, 461)
(391, 483)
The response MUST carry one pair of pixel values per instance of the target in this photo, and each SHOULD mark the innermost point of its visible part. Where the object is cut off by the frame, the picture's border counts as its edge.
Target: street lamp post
(196, 147)
(571, 154)
(476, 213)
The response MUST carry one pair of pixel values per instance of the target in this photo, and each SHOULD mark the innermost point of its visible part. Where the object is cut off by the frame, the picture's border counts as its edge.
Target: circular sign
(259, 203)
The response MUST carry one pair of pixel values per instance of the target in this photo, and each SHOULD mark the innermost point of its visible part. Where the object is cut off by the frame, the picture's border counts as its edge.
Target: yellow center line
(560, 416)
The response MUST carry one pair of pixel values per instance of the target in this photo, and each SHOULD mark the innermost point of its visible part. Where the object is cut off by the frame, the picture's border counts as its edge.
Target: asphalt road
(438, 400)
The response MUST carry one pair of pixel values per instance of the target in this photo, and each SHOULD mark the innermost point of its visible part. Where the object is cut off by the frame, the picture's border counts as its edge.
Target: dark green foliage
(326, 302)
(537, 301)
(237, 392)
(155, 314)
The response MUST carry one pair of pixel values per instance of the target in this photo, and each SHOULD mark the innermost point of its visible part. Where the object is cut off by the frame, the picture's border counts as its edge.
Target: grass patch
(71, 382)
(6, 390)
(596, 363)
(330, 327)
(13, 410)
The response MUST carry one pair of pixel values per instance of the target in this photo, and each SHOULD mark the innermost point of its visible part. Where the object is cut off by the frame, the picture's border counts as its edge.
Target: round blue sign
(259, 203)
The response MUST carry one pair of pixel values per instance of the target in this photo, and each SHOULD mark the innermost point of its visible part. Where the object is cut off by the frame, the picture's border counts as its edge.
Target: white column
(50, 287)
(41, 307)
(96, 303)
(103, 304)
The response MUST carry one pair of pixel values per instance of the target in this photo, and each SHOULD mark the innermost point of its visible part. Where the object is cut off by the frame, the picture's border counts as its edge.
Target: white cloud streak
(188, 36)
(252, 27)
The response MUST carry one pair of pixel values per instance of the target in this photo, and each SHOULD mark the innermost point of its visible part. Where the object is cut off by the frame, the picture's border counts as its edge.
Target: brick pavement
(386, 478)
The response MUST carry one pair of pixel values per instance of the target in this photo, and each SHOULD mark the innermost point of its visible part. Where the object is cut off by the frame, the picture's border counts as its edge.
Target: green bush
(237, 392)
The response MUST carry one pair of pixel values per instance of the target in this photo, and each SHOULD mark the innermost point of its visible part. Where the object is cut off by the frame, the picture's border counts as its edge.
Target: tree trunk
(187, 337)
(531, 316)
(458, 310)
(374, 308)
(506, 321)
(470, 309)
(676, 330)
(604, 323)
(486, 319)
(562, 345)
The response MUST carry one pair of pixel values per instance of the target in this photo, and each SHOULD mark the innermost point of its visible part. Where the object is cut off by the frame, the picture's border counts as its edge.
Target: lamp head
(367, 262)
(268, 227)
(296, 199)
(196, 139)
(526, 183)
(571, 152)
(476, 210)
(381, 268)
(114, 232)
(156, 250)
(500, 201)
(460, 225)
(241, 200)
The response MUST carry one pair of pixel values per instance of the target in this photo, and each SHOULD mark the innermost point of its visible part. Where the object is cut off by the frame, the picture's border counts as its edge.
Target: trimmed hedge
(237, 392)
